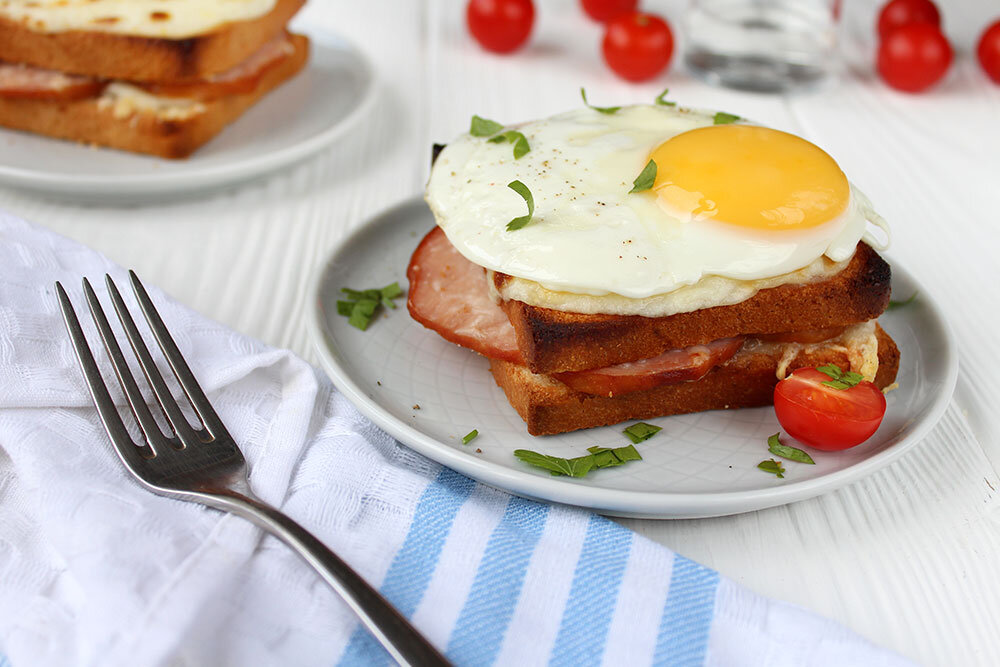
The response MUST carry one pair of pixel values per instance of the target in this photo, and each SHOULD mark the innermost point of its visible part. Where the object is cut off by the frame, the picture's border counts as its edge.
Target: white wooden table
(908, 557)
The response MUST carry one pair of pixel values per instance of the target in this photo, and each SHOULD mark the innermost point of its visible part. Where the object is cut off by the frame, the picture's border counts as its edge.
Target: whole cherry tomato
(989, 51)
(605, 10)
(637, 46)
(825, 417)
(914, 57)
(500, 25)
(904, 12)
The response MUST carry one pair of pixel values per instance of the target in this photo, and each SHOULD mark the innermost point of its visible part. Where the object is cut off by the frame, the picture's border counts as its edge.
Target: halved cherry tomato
(989, 51)
(898, 13)
(637, 46)
(914, 57)
(605, 10)
(824, 417)
(500, 25)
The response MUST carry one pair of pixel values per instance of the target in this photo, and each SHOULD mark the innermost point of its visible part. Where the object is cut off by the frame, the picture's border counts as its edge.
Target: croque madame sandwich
(150, 76)
(650, 260)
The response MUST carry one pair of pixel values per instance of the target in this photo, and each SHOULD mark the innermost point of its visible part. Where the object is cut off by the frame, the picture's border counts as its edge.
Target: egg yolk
(749, 176)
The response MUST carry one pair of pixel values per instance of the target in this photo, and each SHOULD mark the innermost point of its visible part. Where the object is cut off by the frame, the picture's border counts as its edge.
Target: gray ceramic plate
(700, 465)
(294, 121)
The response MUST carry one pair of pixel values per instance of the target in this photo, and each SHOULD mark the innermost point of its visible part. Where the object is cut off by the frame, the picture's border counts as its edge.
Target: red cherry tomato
(605, 10)
(914, 57)
(500, 25)
(637, 46)
(898, 13)
(989, 51)
(824, 417)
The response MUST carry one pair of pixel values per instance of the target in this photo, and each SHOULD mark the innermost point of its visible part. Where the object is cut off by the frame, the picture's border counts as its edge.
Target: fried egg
(738, 201)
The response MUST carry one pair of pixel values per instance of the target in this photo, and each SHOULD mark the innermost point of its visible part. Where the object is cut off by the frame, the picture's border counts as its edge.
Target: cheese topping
(170, 19)
(125, 100)
(706, 293)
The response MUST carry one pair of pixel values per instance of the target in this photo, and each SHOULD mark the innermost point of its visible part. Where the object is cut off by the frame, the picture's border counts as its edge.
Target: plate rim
(213, 176)
(616, 502)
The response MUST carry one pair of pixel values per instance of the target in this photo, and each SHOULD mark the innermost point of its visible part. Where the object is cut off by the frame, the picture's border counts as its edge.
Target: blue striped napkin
(94, 570)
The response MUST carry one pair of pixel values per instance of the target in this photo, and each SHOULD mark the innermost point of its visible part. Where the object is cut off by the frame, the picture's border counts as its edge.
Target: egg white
(588, 235)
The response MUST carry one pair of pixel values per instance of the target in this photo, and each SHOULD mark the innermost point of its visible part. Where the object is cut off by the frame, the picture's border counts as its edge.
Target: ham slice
(684, 365)
(27, 82)
(449, 294)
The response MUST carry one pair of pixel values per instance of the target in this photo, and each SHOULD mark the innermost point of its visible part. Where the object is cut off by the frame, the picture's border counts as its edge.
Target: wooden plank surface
(908, 557)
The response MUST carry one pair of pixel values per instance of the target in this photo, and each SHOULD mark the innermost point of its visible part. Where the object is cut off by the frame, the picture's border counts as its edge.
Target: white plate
(699, 465)
(297, 119)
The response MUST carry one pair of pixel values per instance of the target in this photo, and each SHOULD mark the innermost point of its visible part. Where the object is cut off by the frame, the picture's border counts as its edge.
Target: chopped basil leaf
(645, 179)
(641, 431)
(521, 189)
(840, 379)
(607, 110)
(723, 118)
(598, 457)
(784, 451)
(482, 127)
(899, 304)
(521, 147)
(577, 467)
(663, 102)
(362, 304)
(773, 467)
(361, 314)
(470, 436)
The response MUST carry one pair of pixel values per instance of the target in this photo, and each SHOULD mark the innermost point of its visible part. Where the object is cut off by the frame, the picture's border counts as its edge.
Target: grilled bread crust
(144, 132)
(553, 341)
(132, 58)
(747, 380)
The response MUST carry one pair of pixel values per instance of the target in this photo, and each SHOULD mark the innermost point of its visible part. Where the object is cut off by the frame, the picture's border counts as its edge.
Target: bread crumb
(416, 406)
(894, 385)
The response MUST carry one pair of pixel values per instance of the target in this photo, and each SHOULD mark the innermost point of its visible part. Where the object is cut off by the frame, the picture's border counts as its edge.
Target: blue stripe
(4, 662)
(687, 614)
(481, 625)
(414, 564)
(593, 595)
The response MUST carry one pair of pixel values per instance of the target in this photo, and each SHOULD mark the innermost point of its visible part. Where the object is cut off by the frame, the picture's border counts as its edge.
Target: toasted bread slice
(747, 380)
(96, 121)
(111, 55)
(553, 341)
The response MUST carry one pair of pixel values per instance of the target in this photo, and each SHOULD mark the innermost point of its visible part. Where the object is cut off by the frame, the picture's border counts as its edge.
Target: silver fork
(205, 465)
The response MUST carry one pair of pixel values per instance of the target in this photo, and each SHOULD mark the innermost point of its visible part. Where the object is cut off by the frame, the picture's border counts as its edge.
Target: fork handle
(386, 624)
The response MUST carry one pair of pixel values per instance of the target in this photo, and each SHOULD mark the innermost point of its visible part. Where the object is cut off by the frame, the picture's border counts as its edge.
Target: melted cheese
(125, 100)
(706, 293)
(858, 342)
(170, 19)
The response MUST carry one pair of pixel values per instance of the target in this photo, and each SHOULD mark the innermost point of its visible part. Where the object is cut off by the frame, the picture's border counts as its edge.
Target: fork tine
(154, 436)
(130, 453)
(171, 410)
(181, 370)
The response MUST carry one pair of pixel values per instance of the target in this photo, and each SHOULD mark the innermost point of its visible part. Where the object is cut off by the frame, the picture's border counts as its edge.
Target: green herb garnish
(838, 378)
(361, 305)
(663, 102)
(607, 110)
(598, 457)
(520, 142)
(899, 304)
(641, 431)
(773, 467)
(483, 127)
(723, 118)
(470, 436)
(784, 451)
(645, 179)
(521, 189)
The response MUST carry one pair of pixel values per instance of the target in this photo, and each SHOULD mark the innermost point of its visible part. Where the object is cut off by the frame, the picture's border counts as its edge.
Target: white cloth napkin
(95, 570)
